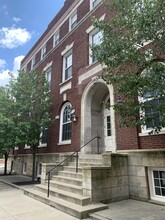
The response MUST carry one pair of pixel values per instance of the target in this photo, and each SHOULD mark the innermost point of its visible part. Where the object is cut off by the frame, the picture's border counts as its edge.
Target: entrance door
(107, 130)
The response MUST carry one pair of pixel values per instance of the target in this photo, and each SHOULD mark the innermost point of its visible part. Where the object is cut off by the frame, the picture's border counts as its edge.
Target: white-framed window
(157, 183)
(43, 51)
(94, 3)
(24, 167)
(44, 136)
(152, 113)
(48, 74)
(73, 21)
(56, 38)
(67, 66)
(33, 62)
(39, 169)
(66, 123)
(151, 101)
(95, 38)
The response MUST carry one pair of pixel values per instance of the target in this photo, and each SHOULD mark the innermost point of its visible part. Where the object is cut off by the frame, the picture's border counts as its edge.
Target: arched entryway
(97, 117)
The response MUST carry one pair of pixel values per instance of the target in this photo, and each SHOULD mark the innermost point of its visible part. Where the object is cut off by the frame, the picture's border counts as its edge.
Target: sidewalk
(14, 205)
(133, 210)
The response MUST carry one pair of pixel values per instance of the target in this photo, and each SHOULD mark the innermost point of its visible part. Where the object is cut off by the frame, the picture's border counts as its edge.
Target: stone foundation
(125, 174)
(107, 183)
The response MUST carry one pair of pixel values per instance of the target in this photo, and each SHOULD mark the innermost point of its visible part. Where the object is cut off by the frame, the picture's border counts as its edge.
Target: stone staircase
(66, 189)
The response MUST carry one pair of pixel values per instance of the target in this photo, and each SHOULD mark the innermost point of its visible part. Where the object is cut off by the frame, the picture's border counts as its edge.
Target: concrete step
(97, 161)
(86, 164)
(65, 195)
(67, 187)
(95, 158)
(90, 156)
(69, 180)
(71, 168)
(75, 210)
(95, 216)
(70, 174)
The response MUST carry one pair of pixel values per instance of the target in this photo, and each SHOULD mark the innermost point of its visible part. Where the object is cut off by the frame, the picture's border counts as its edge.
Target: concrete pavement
(14, 205)
(133, 210)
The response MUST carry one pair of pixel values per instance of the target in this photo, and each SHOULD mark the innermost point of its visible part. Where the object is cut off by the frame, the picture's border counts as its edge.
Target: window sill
(92, 64)
(42, 145)
(146, 133)
(66, 81)
(64, 142)
(157, 200)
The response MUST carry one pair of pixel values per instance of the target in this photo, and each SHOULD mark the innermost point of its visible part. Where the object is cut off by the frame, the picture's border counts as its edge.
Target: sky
(21, 25)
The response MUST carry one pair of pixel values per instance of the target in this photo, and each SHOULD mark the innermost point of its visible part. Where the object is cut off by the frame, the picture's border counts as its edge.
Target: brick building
(79, 105)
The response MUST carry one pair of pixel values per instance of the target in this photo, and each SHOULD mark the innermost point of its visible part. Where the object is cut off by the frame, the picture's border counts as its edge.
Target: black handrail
(76, 152)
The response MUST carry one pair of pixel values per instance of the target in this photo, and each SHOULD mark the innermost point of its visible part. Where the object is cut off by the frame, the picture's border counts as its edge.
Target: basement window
(157, 183)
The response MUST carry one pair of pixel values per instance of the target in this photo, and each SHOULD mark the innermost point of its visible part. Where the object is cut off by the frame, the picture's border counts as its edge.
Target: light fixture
(73, 116)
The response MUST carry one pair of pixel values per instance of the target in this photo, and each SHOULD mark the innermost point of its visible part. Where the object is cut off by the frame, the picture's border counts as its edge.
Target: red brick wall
(126, 138)
(152, 141)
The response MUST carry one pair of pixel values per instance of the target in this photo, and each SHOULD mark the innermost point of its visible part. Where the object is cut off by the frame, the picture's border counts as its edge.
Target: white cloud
(16, 19)
(13, 37)
(4, 74)
(2, 64)
(16, 63)
(4, 77)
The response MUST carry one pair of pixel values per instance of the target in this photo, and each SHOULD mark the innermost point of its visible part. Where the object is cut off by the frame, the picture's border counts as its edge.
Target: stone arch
(92, 123)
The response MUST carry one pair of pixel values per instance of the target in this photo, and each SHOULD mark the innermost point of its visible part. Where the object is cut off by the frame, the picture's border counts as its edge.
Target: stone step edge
(75, 210)
(72, 167)
(69, 172)
(66, 178)
(63, 192)
(65, 184)
(82, 164)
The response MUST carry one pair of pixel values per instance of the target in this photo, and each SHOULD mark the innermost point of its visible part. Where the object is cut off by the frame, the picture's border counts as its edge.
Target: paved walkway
(14, 205)
(133, 210)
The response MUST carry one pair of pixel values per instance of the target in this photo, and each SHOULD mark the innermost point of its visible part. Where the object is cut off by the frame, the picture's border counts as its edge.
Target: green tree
(32, 109)
(132, 54)
(7, 125)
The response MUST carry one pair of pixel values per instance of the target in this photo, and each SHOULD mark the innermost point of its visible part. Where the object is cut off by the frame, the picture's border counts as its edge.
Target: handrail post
(77, 162)
(48, 183)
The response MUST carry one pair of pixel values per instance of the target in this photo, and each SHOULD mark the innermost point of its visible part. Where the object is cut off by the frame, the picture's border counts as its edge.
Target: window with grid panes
(43, 52)
(95, 3)
(95, 38)
(159, 182)
(56, 38)
(66, 122)
(73, 21)
(48, 76)
(67, 73)
(44, 136)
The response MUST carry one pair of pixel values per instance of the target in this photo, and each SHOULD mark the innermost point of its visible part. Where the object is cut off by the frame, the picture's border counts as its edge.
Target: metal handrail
(76, 152)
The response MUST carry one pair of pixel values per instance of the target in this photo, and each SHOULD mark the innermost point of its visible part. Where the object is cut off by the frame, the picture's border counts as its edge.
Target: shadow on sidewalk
(23, 183)
(18, 180)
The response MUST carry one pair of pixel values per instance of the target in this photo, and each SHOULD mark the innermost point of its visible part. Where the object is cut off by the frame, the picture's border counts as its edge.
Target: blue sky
(21, 25)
